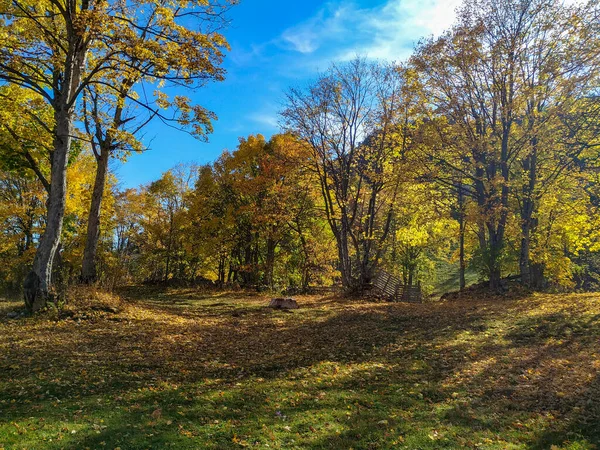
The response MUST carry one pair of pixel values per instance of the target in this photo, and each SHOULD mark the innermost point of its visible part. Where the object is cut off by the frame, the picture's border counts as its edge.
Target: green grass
(179, 369)
(447, 278)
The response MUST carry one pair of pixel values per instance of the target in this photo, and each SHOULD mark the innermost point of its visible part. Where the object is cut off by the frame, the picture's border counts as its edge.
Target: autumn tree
(356, 119)
(421, 232)
(254, 216)
(22, 199)
(555, 72)
(114, 112)
(124, 257)
(267, 179)
(469, 74)
(163, 223)
(211, 229)
(23, 214)
(56, 48)
(498, 83)
(45, 47)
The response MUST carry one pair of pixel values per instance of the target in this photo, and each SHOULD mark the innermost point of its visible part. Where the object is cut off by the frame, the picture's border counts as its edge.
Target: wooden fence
(392, 287)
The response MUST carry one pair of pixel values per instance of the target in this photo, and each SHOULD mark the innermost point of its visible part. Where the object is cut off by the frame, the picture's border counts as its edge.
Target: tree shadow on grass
(167, 294)
(336, 374)
(47, 360)
(581, 424)
(361, 409)
(541, 384)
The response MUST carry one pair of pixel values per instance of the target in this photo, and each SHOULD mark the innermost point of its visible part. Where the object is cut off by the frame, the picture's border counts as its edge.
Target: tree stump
(283, 303)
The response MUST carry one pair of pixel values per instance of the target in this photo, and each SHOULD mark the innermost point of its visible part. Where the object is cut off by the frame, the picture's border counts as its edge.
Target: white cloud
(301, 39)
(308, 36)
(343, 29)
(267, 119)
(401, 23)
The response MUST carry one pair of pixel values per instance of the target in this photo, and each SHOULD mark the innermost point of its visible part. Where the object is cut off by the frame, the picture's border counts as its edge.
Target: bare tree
(353, 118)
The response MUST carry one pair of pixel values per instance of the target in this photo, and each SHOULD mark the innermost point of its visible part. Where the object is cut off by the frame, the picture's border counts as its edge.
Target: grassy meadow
(189, 370)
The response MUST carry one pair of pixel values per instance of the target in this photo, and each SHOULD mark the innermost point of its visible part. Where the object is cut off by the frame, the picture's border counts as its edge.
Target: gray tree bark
(89, 272)
(66, 81)
(37, 286)
(461, 231)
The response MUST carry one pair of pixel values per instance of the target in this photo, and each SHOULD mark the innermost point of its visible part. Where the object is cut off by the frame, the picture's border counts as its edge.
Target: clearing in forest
(180, 369)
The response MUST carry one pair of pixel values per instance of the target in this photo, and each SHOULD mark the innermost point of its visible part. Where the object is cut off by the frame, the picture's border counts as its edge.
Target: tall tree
(45, 47)
(470, 75)
(498, 85)
(113, 112)
(356, 120)
(56, 48)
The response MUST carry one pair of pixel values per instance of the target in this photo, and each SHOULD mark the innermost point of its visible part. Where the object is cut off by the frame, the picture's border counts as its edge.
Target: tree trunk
(37, 286)
(524, 258)
(527, 211)
(231, 274)
(221, 280)
(89, 273)
(366, 260)
(306, 263)
(494, 271)
(462, 264)
(495, 247)
(461, 239)
(169, 248)
(270, 262)
(495, 278)
(344, 253)
(345, 264)
(538, 281)
(527, 229)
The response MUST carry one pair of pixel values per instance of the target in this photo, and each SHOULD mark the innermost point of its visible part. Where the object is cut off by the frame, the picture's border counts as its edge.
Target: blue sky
(277, 44)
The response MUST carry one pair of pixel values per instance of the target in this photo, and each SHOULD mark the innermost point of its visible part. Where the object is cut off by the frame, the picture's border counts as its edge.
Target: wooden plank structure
(392, 287)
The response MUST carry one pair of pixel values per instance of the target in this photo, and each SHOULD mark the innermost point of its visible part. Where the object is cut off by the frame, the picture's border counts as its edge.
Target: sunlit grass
(180, 369)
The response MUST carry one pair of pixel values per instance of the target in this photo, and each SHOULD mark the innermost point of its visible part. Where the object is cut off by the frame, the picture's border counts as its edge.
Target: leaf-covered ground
(184, 370)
